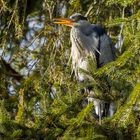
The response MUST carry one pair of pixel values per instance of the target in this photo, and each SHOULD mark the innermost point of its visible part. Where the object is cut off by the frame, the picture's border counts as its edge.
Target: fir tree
(39, 98)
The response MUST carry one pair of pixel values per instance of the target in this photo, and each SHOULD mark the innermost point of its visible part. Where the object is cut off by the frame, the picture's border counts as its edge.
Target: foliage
(39, 96)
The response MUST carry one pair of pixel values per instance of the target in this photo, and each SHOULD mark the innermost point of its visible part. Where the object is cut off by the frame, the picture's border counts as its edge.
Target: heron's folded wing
(94, 40)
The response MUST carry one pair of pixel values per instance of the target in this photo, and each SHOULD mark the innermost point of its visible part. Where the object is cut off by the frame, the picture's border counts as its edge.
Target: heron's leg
(100, 114)
(112, 109)
(99, 108)
(98, 104)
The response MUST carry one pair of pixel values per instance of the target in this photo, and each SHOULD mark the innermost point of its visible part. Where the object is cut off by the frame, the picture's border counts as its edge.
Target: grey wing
(106, 49)
(105, 46)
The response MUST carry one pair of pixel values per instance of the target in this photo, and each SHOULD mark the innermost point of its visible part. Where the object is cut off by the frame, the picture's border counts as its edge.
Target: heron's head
(73, 21)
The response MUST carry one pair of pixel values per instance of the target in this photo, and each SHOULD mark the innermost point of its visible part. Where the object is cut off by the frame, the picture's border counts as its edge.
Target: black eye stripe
(82, 17)
(78, 17)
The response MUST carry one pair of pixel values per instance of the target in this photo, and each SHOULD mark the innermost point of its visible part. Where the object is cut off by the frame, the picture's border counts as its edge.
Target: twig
(12, 15)
(34, 39)
(89, 10)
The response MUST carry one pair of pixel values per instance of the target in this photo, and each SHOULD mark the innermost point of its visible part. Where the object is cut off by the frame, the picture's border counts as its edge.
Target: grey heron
(88, 40)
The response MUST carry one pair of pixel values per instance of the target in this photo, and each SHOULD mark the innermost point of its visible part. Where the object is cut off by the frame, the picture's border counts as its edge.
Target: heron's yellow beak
(64, 21)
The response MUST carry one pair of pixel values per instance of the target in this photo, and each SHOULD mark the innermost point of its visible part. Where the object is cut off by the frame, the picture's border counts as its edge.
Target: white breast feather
(80, 55)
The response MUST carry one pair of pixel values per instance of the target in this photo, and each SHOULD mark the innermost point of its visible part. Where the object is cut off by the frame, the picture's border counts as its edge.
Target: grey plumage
(88, 40)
